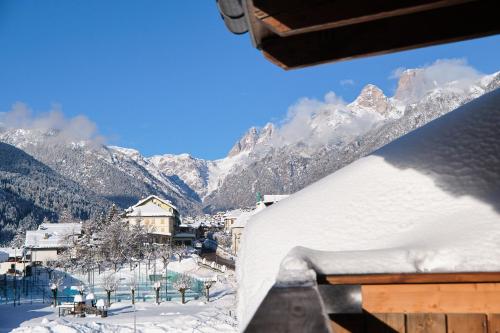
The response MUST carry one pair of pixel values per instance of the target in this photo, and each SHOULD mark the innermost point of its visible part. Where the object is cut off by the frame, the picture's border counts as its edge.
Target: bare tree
(179, 251)
(208, 283)
(109, 284)
(165, 256)
(182, 283)
(133, 286)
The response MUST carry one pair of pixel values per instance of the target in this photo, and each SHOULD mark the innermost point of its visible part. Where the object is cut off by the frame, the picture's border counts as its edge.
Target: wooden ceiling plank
(469, 20)
(332, 14)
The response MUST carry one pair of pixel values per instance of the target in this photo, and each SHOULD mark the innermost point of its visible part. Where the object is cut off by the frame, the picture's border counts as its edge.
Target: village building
(159, 216)
(229, 219)
(237, 229)
(236, 220)
(49, 240)
(10, 258)
(187, 233)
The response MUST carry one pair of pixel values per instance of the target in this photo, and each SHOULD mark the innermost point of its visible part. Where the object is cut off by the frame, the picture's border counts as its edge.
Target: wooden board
(466, 323)
(493, 323)
(290, 310)
(426, 323)
(432, 298)
(465, 277)
(385, 323)
(287, 18)
(383, 36)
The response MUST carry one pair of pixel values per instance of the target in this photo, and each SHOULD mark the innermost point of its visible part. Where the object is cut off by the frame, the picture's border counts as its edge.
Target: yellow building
(159, 216)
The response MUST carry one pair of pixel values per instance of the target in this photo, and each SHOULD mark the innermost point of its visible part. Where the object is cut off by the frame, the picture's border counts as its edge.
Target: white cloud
(319, 122)
(396, 73)
(328, 121)
(63, 129)
(347, 82)
(415, 83)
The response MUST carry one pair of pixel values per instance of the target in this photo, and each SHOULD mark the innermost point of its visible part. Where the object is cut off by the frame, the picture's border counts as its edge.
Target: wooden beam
(432, 298)
(288, 19)
(385, 322)
(426, 323)
(469, 20)
(467, 323)
(414, 278)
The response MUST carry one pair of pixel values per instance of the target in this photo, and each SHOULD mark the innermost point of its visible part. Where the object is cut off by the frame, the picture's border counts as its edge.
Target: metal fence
(36, 288)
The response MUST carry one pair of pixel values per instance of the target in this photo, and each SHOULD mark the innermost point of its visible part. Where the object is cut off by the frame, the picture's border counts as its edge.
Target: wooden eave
(298, 33)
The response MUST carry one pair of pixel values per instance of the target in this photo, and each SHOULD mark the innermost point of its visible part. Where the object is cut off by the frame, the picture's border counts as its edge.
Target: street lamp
(132, 290)
(53, 288)
(156, 287)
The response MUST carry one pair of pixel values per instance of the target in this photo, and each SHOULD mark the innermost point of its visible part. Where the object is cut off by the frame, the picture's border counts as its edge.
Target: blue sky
(165, 76)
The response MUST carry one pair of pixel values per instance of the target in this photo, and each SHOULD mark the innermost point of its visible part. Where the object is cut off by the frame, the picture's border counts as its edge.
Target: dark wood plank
(466, 277)
(469, 20)
(286, 19)
(290, 310)
(493, 323)
(425, 323)
(347, 323)
(466, 323)
(385, 323)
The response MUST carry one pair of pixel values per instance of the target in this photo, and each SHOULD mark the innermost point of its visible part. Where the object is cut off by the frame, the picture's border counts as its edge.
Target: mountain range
(317, 138)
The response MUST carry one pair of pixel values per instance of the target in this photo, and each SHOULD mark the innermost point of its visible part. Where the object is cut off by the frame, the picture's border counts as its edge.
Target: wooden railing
(403, 303)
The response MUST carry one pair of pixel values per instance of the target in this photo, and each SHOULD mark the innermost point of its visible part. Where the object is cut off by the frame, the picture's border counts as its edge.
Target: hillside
(31, 191)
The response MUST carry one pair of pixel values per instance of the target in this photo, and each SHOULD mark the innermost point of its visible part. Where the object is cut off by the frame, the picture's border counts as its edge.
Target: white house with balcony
(159, 216)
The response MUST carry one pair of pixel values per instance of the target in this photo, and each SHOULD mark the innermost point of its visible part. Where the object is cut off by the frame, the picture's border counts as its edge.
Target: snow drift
(429, 201)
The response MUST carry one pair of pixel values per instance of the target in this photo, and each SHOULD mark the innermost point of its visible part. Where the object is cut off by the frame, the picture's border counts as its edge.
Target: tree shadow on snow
(12, 317)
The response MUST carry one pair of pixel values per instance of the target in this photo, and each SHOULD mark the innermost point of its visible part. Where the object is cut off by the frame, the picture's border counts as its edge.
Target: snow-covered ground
(195, 316)
(218, 315)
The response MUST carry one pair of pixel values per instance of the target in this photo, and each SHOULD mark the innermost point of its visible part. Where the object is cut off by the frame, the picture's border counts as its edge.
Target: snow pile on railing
(429, 201)
(210, 264)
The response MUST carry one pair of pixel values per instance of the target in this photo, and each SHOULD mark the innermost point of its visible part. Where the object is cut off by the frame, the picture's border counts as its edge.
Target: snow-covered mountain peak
(246, 143)
(407, 84)
(253, 137)
(371, 98)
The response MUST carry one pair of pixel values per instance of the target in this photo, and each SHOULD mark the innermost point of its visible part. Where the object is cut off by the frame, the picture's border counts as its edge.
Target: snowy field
(218, 315)
(195, 316)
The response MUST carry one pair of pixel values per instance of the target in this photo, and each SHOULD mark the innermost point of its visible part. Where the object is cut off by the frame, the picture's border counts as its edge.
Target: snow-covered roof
(427, 202)
(165, 201)
(242, 219)
(11, 252)
(234, 214)
(268, 198)
(193, 224)
(51, 235)
(75, 228)
(149, 210)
